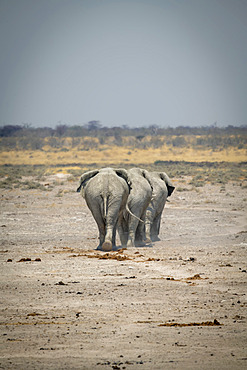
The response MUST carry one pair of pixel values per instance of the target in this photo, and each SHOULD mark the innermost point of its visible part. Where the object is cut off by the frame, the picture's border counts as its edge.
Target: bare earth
(180, 304)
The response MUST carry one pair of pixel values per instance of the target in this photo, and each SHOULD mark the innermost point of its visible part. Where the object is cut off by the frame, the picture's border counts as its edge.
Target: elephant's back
(140, 194)
(140, 185)
(117, 186)
(159, 188)
(105, 184)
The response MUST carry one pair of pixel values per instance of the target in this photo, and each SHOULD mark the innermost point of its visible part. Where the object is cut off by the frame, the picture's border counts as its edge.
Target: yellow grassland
(104, 155)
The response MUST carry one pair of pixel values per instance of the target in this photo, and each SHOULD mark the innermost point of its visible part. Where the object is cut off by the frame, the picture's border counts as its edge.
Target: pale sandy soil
(69, 309)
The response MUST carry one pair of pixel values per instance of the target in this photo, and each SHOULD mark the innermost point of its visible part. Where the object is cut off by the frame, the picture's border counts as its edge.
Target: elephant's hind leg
(101, 227)
(123, 231)
(133, 223)
(140, 235)
(110, 237)
(155, 229)
(107, 246)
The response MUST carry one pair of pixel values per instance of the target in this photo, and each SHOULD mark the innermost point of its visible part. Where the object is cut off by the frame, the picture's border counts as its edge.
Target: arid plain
(180, 304)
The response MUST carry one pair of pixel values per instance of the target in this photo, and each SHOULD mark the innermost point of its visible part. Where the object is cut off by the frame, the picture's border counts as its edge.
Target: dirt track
(143, 308)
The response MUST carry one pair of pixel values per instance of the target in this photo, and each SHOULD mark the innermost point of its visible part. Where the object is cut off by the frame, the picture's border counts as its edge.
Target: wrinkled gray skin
(162, 188)
(130, 229)
(106, 192)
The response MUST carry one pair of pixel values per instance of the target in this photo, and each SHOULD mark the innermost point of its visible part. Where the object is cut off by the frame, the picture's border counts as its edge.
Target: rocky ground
(180, 304)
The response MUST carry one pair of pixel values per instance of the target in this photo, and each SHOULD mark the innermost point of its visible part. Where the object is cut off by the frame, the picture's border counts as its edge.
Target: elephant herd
(128, 201)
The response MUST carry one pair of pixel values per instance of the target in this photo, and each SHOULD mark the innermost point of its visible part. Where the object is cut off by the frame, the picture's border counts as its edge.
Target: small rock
(25, 260)
(60, 283)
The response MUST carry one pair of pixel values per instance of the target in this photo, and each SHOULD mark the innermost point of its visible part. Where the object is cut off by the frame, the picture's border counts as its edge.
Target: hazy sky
(123, 62)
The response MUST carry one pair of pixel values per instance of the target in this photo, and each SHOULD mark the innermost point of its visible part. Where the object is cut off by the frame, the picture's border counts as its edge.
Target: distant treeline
(93, 135)
(95, 129)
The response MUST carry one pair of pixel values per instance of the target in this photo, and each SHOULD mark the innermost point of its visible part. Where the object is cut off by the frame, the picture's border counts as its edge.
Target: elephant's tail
(105, 205)
(132, 214)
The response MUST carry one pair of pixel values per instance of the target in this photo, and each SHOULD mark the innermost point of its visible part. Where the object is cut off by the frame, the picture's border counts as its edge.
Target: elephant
(106, 191)
(131, 228)
(162, 188)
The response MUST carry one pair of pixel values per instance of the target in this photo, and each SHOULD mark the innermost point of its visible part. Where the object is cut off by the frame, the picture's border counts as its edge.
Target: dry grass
(179, 159)
(105, 155)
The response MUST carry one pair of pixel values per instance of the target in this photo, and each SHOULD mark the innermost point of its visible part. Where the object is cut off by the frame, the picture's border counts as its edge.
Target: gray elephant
(130, 228)
(162, 188)
(106, 192)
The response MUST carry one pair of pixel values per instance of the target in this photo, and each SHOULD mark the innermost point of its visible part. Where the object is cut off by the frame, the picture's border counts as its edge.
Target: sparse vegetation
(206, 155)
(181, 189)
(199, 174)
(11, 182)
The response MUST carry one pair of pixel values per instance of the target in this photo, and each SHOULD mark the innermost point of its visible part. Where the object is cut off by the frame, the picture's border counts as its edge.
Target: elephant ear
(148, 177)
(121, 172)
(85, 177)
(168, 182)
